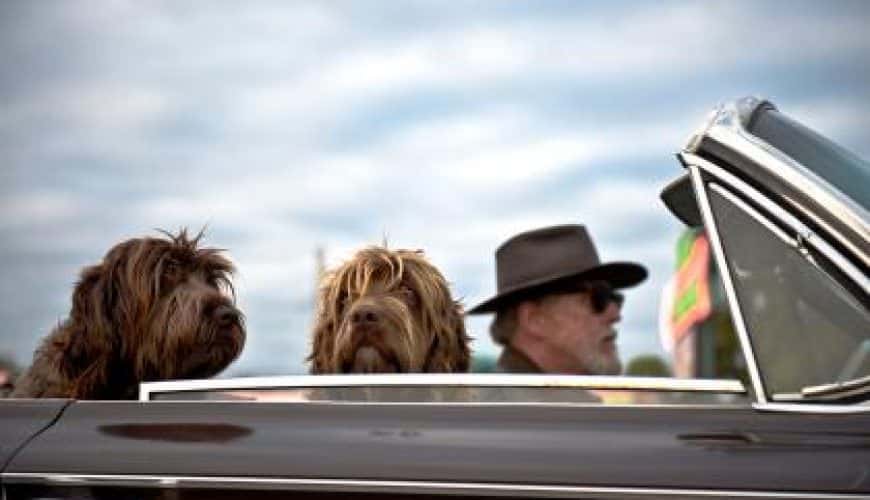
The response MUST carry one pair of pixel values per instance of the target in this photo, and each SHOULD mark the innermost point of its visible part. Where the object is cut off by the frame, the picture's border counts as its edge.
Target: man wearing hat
(556, 303)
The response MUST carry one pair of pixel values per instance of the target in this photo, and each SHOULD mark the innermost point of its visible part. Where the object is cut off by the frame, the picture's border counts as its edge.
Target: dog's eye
(214, 280)
(171, 270)
(408, 295)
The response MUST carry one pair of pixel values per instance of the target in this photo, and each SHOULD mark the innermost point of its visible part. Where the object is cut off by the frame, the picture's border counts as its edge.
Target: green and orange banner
(692, 302)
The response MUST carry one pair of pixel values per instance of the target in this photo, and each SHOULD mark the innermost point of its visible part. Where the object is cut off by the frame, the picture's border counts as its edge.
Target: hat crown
(542, 260)
(542, 255)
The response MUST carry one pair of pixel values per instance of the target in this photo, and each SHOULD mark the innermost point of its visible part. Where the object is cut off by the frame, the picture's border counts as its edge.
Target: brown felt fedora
(552, 258)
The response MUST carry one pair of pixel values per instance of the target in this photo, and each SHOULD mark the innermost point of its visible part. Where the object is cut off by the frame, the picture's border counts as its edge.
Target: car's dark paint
(22, 420)
(716, 447)
(130, 493)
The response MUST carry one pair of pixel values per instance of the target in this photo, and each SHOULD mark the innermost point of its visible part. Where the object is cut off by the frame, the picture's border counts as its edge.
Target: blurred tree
(482, 363)
(648, 365)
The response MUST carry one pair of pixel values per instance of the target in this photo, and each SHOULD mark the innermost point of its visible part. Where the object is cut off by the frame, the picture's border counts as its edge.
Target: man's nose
(613, 312)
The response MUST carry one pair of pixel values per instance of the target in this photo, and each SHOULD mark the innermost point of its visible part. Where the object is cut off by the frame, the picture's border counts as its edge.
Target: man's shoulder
(513, 361)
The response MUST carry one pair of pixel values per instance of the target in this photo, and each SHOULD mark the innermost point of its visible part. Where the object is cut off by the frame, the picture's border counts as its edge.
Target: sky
(284, 127)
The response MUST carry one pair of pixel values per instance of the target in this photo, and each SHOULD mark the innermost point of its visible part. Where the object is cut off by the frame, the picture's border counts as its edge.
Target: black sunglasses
(601, 294)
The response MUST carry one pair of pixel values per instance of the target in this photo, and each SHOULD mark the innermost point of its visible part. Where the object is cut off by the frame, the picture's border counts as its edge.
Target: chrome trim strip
(694, 140)
(461, 404)
(808, 237)
(728, 283)
(442, 379)
(811, 408)
(407, 487)
(734, 136)
(837, 387)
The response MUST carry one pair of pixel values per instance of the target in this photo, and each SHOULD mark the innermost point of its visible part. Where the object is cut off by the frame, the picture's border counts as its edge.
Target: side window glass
(694, 316)
(698, 329)
(806, 329)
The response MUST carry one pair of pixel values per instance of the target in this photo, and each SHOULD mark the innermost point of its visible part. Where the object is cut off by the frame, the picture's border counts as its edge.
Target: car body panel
(583, 445)
(22, 419)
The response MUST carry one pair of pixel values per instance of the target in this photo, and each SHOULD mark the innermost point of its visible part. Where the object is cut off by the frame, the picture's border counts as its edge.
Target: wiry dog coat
(153, 309)
(388, 311)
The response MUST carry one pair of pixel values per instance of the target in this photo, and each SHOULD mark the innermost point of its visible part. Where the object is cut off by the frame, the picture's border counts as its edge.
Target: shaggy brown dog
(153, 309)
(388, 311)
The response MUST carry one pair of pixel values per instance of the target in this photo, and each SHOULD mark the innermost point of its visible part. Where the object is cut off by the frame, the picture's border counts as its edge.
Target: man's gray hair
(504, 325)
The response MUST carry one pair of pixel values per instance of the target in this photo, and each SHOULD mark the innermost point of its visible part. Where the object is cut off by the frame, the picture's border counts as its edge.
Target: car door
(398, 450)
(20, 420)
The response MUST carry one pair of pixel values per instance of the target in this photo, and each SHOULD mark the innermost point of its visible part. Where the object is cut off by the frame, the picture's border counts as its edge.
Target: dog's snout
(364, 315)
(227, 315)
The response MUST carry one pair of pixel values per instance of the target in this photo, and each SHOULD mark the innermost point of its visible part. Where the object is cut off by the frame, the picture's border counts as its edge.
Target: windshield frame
(837, 166)
(724, 138)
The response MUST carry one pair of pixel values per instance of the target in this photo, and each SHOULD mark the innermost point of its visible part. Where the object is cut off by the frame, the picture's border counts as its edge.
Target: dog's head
(153, 309)
(388, 311)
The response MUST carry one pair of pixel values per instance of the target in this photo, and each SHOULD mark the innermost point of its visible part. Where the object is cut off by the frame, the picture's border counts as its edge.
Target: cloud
(286, 127)
(37, 208)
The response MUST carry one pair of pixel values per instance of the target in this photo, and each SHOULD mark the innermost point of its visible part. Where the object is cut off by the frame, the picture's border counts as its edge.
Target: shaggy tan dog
(153, 309)
(388, 311)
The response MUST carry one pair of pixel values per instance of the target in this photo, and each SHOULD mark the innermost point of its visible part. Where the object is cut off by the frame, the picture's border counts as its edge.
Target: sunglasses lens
(601, 295)
(618, 298)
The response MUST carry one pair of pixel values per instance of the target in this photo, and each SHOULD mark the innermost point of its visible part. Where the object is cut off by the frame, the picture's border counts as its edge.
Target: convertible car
(785, 212)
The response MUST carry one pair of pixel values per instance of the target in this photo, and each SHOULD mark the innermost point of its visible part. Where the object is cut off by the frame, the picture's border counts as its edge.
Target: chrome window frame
(728, 283)
(727, 126)
(698, 168)
(804, 235)
(543, 381)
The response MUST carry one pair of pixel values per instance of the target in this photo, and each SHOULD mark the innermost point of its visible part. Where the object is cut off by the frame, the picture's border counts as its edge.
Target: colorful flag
(692, 287)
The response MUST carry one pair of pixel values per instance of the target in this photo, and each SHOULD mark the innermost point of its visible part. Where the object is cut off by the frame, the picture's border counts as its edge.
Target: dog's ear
(88, 341)
(321, 346)
(450, 351)
(325, 326)
(328, 309)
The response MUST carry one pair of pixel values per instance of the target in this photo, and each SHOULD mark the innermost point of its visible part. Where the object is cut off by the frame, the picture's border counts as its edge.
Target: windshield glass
(805, 328)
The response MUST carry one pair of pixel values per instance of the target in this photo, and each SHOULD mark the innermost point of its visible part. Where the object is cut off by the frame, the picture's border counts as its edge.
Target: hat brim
(618, 274)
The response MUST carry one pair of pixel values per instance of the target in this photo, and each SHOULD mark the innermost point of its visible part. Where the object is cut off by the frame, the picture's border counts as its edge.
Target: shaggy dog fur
(388, 311)
(153, 309)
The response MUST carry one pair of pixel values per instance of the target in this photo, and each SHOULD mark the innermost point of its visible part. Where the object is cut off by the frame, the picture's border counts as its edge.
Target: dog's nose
(364, 315)
(227, 315)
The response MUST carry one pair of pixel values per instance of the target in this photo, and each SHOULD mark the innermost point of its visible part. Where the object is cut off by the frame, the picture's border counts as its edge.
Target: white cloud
(267, 89)
(97, 106)
(650, 43)
(37, 208)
